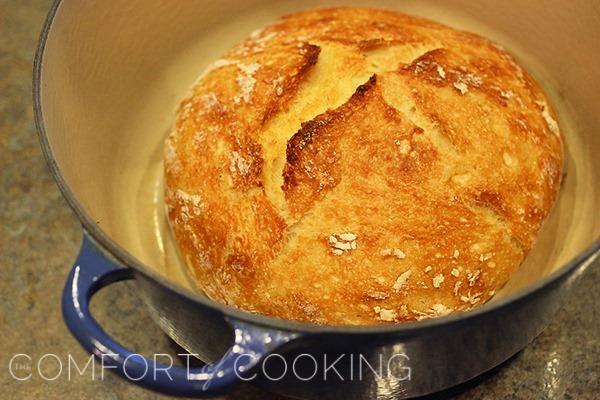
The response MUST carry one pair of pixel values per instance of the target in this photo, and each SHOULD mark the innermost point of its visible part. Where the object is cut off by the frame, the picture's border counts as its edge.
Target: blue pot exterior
(93, 271)
(407, 364)
(308, 363)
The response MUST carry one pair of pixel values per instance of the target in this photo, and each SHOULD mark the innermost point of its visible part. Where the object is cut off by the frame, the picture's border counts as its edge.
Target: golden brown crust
(356, 166)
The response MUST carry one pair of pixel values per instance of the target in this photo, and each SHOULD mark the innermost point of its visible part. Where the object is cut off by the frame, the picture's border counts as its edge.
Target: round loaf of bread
(360, 166)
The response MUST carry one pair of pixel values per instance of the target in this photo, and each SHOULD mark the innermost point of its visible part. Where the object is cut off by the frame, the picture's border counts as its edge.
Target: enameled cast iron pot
(108, 76)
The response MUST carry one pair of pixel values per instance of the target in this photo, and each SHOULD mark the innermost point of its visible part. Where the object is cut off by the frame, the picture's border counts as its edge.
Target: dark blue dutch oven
(95, 64)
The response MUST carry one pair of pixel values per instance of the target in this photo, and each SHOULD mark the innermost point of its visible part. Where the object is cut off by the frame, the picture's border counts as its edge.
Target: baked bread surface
(360, 166)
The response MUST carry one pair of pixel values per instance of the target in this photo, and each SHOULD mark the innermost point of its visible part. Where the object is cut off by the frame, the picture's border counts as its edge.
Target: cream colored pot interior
(113, 73)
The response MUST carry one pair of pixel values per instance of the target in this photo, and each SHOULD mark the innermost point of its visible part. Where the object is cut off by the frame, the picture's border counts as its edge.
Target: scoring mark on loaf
(315, 94)
(312, 154)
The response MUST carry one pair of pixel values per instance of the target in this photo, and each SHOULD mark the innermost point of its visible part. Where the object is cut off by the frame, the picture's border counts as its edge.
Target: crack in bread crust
(316, 94)
(297, 190)
(312, 154)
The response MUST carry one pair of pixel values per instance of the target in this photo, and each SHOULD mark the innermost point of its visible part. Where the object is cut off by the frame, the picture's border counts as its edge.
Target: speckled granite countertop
(39, 238)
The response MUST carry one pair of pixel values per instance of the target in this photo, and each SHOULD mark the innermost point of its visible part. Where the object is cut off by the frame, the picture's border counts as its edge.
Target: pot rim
(109, 246)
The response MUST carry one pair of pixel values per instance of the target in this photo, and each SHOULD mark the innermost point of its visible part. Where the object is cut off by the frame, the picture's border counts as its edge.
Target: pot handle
(91, 272)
